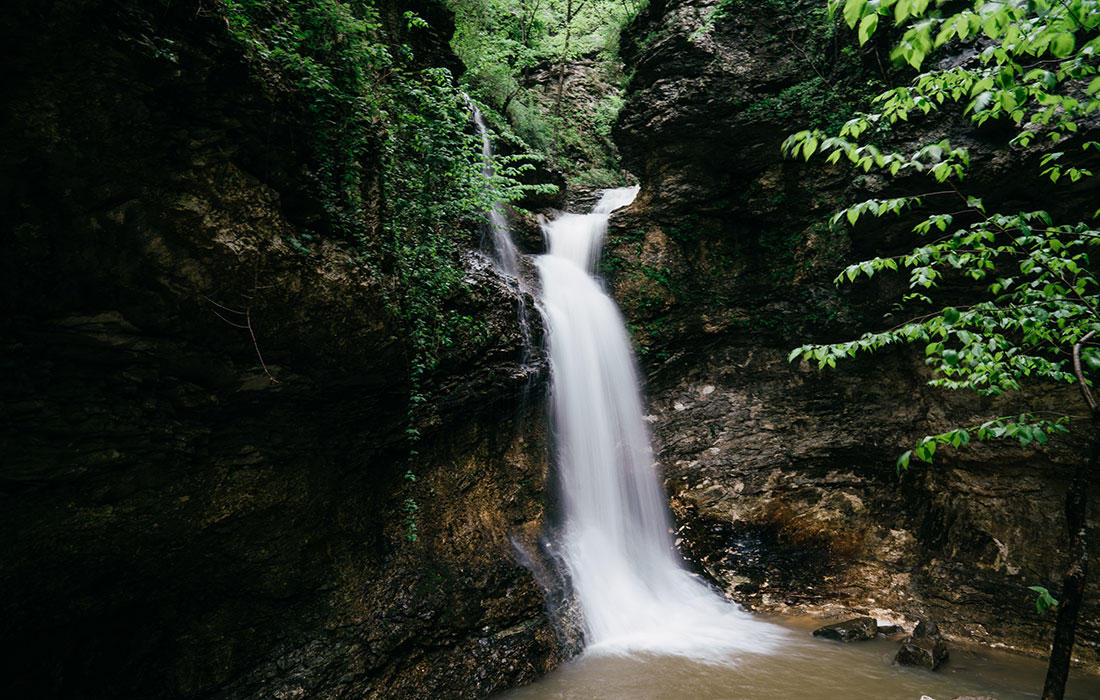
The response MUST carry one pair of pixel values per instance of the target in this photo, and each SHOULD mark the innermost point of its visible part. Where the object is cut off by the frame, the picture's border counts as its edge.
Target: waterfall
(634, 591)
(505, 249)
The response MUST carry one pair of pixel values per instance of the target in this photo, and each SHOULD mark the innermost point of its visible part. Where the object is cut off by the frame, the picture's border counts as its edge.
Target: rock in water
(922, 651)
(853, 630)
(927, 628)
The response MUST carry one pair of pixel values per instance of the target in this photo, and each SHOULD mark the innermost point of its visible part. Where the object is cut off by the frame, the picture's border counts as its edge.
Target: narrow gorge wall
(782, 477)
(203, 488)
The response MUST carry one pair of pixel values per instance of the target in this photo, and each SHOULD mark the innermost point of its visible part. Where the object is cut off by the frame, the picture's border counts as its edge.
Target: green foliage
(1035, 294)
(1018, 29)
(505, 44)
(374, 113)
(410, 507)
(397, 166)
(1033, 297)
(1044, 600)
(1024, 428)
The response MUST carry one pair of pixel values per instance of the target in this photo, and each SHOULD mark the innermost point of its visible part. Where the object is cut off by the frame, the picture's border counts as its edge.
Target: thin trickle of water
(505, 254)
(504, 249)
(634, 591)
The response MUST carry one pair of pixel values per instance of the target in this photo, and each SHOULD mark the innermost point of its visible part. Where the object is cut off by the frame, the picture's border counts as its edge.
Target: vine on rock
(398, 168)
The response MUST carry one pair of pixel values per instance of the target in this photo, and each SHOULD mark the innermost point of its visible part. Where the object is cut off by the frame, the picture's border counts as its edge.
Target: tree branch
(1085, 391)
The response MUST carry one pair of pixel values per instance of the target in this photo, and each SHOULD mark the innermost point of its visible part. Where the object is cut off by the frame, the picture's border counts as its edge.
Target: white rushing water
(503, 247)
(634, 591)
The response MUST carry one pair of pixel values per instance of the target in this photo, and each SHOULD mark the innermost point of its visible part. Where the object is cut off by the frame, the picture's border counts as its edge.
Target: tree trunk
(508, 100)
(1073, 585)
(564, 57)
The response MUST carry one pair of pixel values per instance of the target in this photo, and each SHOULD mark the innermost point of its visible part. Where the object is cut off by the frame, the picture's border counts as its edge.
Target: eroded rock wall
(782, 478)
(203, 488)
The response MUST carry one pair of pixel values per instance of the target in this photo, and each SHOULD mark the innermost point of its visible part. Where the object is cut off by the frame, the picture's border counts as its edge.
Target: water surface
(804, 669)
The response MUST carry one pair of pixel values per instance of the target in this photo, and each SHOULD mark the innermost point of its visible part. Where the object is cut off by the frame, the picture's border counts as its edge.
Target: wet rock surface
(203, 492)
(858, 629)
(925, 647)
(922, 651)
(785, 494)
(927, 628)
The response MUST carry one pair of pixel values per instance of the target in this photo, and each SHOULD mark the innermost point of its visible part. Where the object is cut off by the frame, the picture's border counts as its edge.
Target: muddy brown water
(805, 669)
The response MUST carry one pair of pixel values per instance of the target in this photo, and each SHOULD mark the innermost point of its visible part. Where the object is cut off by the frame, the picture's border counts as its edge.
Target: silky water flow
(634, 592)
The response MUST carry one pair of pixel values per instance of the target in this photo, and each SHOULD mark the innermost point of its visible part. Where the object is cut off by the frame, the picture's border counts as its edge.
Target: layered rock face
(203, 485)
(782, 477)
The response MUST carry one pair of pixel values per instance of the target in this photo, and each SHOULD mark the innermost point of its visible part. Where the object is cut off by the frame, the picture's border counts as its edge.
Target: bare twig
(255, 344)
(247, 325)
(235, 325)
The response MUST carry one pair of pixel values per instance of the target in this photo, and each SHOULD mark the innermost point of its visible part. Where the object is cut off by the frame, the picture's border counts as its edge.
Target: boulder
(927, 628)
(854, 630)
(922, 651)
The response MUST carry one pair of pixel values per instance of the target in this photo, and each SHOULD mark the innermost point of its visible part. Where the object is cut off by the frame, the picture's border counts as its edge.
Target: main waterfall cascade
(633, 590)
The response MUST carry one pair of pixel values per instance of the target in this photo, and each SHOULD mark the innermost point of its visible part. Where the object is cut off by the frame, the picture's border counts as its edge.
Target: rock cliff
(782, 478)
(204, 487)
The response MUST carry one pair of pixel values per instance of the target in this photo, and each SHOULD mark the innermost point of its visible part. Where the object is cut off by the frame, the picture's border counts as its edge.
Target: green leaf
(1044, 601)
(1062, 45)
(903, 460)
(853, 10)
(867, 27)
(901, 11)
(962, 27)
(950, 315)
(809, 146)
(992, 25)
